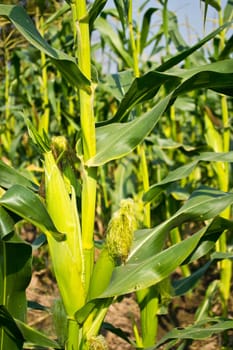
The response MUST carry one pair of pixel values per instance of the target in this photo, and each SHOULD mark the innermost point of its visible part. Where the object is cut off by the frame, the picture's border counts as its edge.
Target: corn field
(116, 147)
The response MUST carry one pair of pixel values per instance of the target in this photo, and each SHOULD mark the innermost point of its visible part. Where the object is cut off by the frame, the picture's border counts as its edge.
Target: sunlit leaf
(185, 170)
(15, 275)
(34, 337)
(10, 336)
(146, 27)
(202, 330)
(9, 177)
(6, 223)
(117, 140)
(203, 204)
(95, 11)
(153, 269)
(111, 36)
(187, 52)
(28, 205)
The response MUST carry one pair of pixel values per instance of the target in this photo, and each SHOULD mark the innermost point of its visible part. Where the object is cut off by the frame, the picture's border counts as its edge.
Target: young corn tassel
(97, 343)
(120, 230)
(67, 257)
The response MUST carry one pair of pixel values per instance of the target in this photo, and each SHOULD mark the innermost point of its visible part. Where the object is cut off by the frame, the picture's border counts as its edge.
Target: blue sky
(191, 12)
(190, 16)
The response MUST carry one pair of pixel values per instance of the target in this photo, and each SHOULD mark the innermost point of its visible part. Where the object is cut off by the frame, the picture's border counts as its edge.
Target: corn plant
(135, 256)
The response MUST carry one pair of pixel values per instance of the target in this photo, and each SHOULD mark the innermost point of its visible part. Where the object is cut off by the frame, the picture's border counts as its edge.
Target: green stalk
(83, 54)
(165, 25)
(175, 236)
(145, 182)
(44, 119)
(6, 136)
(225, 265)
(73, 338)
(140, 149)
(147, 298)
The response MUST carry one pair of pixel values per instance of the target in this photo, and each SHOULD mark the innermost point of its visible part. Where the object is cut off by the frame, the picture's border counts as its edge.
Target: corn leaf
(10, 335)
(146, 27)
(151, 270)
(61, 11)
(122, 11)
(95, 10)
(118, 139)
(201, 330)
(66, 64)
(202, 205)
(147, 265)
(28, 206)
(228, 11)
(215, 229)
(116, 142)
(10, 177)
(6, 223)
(142, 89)
(109, 34)
(187, 52)
(147, 86)
(184, 171)
(216, 76)
(34, 337)
(15, 275)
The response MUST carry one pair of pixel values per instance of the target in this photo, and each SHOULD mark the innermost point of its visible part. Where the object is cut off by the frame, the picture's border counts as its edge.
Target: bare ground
(123, 314)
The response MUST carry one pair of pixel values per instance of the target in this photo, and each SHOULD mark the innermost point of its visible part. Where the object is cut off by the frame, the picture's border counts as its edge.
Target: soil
(123, 314)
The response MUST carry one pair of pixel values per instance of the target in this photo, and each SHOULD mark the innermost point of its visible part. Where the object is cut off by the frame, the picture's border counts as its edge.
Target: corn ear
(67, 256)
(101, 274)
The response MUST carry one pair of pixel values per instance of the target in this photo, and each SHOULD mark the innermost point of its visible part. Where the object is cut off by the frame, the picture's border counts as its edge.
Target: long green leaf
(153, 269)
(203, 204)
(184, 54)
(146, 27)
(228, 11)
(183, 285)
(6, 223)
(186, 170)
(10, 335)
(147, 86)
(146, 266)
(217, 76)
(66, 64)
(34, 337)
(15, 275)
(61, 11)
(10, 177)
(110, 35)
(117, 140)
(201, 330)
(28, 206)
(122, 10)
(95, 11)
(142, 89)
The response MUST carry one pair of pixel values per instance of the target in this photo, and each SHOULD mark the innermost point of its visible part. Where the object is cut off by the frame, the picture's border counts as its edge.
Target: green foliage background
(77, 139)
